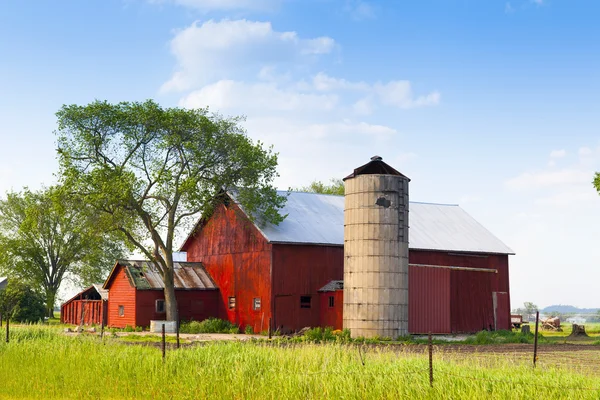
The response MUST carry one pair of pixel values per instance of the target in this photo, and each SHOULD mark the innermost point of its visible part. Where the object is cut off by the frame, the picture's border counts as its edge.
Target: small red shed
(332, 304)
(137, 297)
(86, 308)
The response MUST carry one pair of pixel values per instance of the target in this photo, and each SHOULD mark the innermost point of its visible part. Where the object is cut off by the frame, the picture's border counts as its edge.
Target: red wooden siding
(121, 293)
(471, 307)
(238, 258)
(429, 300)
(301, 271)
(193, 304)
(332, 316)
(93, 311)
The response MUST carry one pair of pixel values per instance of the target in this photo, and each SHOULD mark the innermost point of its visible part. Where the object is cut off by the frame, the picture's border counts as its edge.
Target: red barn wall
(471, 307)
(93, 312)
(193, 304)
(301, 270)
(238, 258)
(332, 316)
(121, 293)
(429, 300)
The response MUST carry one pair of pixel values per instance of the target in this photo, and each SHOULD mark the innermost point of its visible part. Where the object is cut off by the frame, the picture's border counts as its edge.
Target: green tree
(46, 236)
(335, 186)
(530, 309)
(19, 302)
(150, 171)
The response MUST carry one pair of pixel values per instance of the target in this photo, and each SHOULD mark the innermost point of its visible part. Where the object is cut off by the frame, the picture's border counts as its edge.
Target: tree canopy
(21, 303)
(335, 186)
(47, 235)
(151, 171)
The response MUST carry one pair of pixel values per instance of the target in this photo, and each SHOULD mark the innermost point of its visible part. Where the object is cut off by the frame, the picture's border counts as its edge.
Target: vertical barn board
(429, 300)
(501, 311)
(196, 305)
(285, 314)
(238, 258)
(471, 301)
(301, 270)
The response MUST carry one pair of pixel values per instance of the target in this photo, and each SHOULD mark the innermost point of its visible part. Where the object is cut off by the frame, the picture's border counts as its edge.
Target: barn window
(121, 311)
(231, 303)
(160, 306)
(331, 301)
(304, 301)
(257, 303)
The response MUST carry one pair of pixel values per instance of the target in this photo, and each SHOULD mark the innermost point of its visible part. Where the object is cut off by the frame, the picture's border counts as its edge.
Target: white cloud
(585, 152)
(229, 95)
(569, 197)
(220, 49)
(399, 94)
(543, 179)
(359, 10)
(558, 153)
(208, 5)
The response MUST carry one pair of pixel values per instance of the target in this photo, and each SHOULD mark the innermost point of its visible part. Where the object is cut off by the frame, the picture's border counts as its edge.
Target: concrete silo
(376, 251)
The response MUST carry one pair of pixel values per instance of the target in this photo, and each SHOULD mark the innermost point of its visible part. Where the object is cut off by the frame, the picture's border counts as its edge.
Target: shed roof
(143, 276)
(3, 282)
(319, 219)
(332, 286)
(92, 292)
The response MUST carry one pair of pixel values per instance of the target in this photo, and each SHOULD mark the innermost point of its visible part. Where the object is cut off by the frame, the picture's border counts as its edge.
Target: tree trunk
(50, 299)
(170, 299)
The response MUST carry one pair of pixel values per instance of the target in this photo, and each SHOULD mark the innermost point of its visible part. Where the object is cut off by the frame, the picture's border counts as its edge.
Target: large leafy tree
(21, 303)
(150, 171)
(47, 236)
(335, 186)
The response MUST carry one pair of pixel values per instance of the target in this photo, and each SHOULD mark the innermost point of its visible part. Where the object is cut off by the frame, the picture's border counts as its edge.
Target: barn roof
(332, 286)
(319, 219)
(142, 275)
(90, 292)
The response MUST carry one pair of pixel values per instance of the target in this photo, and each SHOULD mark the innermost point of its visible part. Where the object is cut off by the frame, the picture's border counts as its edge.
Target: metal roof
(188, 275)
(3, 282)
(319, 219)
(332, 286)
(102, 292)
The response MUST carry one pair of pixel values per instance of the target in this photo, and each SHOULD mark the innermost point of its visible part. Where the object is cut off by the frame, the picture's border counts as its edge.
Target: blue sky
(489, 104)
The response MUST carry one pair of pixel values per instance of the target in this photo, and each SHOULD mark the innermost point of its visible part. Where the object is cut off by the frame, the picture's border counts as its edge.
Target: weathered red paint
(140, 305)
(301, 270)
(332, 316)
(238, 258)
(85, 307)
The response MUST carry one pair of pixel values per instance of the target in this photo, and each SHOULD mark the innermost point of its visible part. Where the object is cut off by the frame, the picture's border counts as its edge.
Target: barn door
(501, 310)
(285, 313)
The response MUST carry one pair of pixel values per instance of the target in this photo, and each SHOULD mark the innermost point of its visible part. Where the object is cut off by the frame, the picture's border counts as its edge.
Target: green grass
(40, 362)
(210, 325)
(149, 339)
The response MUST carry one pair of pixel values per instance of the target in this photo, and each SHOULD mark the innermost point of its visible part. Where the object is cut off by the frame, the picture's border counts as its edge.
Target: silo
(376, 251)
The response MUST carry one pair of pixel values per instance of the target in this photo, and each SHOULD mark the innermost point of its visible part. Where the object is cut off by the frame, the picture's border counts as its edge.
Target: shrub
(22, 303)
(499, 337)
(210, 325)
(128, 328)
(248, 330)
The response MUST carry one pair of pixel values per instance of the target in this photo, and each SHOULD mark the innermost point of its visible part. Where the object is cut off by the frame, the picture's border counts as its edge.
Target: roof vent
(376, 158)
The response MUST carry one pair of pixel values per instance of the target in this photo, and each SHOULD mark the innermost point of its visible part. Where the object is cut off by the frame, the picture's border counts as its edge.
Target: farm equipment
(552, 324)
(516, 320)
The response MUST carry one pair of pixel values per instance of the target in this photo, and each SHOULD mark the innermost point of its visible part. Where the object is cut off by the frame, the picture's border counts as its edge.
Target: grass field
(40, 362)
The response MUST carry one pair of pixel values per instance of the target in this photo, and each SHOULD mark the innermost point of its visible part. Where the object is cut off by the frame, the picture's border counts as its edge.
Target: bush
(248, 330)
(128, 329)
(210, 325)
(499, 337)
(22, 303)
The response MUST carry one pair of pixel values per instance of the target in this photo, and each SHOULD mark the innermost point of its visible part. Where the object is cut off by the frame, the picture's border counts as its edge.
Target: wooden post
(163, 342)
(178, 320)
(7, 329)
(535, 339)
(102, 328)
(0, 320)
(430, 361)
(270, 330)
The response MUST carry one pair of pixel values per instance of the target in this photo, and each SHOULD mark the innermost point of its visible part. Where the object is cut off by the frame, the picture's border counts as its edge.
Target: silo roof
(319, 219)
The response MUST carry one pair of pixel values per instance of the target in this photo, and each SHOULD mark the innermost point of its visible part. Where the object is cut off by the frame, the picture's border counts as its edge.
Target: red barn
(458, 270)
(86, 308)
(136, 293)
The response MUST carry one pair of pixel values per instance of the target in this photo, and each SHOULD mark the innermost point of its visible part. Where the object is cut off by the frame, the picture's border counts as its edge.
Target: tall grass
(43, 363)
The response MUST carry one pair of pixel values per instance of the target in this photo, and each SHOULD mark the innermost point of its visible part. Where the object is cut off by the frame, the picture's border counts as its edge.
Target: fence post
(102, 328)
(178, 321)
(535, 339)
(163, 342)
(7, 329)
(270, 330)
(430, 361)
